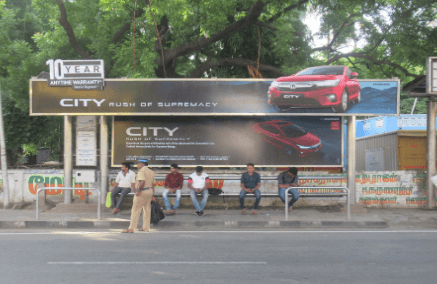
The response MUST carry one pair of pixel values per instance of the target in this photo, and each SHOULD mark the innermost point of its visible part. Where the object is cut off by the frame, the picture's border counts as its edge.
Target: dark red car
(288, 136)
(316, 87)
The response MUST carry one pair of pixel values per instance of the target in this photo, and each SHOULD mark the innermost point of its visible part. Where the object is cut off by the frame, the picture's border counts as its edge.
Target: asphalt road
(218, 257)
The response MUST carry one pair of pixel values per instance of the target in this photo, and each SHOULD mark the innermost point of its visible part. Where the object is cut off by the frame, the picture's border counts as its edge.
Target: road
(218, 257)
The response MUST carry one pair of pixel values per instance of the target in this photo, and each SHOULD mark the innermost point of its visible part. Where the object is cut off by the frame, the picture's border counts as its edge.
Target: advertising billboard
(228, 141)
(236, 97)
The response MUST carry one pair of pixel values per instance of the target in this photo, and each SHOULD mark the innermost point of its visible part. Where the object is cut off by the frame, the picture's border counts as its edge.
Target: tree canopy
(207, 38)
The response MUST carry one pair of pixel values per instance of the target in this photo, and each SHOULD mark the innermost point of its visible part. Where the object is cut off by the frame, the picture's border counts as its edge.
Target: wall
(404, 189)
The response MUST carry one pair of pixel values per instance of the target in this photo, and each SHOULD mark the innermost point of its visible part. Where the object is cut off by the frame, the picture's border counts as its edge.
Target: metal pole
(103, 157)
(286, 203)
(431, 153)
(351, 156)
(68, 157)
(3, 158)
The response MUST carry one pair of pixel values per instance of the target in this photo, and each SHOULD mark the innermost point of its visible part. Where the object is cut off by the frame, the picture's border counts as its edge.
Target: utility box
(85, 176)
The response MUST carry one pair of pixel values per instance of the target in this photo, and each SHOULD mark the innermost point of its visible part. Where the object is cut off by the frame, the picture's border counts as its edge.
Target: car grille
(301, 100)
(289, 88)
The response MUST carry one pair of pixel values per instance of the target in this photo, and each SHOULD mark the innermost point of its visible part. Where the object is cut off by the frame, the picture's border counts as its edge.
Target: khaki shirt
(147, 175)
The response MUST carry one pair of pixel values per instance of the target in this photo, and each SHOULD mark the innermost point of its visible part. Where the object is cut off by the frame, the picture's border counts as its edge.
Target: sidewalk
(185, 219)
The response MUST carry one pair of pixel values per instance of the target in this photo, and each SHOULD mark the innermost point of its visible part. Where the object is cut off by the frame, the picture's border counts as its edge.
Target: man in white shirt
(198, 183)
(123, 183)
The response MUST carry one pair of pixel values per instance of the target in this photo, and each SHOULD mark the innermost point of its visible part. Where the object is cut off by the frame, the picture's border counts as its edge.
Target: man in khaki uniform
(144, 189)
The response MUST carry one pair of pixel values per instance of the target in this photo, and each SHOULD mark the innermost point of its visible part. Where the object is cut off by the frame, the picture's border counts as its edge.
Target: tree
(18, 62)
(217, 38)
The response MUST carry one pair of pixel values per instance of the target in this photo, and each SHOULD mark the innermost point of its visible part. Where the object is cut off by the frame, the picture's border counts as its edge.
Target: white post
(351, 157)
(3, 158)
(68, 157)
(103, 157)
(431, 153)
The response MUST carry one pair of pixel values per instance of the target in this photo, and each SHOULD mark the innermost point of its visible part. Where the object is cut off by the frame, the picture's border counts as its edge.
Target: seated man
(285, 180)
(173, 184)
(250, 183)
(123, 183)
(198, 183)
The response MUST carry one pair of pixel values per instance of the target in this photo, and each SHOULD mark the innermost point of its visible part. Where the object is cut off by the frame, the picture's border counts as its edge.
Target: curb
(196, 224)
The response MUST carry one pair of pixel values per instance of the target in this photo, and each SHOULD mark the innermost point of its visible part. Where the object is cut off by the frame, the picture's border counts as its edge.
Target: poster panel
(86, 148)
(228, 141)
(196, 97)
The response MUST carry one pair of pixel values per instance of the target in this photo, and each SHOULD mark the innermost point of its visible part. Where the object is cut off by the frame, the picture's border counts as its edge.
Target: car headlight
(328, 83)
(303, 147)
(274, 84)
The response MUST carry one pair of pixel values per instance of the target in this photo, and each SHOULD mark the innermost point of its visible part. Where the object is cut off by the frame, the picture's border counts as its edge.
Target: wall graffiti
(56, 181)
(388, 190)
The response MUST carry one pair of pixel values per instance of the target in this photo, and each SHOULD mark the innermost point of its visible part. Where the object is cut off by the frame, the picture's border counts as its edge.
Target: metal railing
(347, 193)
(99, 209)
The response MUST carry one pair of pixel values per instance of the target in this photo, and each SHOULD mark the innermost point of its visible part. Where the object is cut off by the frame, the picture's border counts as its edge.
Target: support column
(3, 158)
(104, 170)
(431, 152)
(68, 158)
(351, 156)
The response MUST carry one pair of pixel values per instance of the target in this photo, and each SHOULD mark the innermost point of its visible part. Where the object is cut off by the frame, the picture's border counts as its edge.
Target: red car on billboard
(320, 86)
(288, 136)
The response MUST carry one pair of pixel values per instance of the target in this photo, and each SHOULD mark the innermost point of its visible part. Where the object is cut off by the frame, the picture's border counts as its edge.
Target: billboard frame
(341, 165)
(209, 114)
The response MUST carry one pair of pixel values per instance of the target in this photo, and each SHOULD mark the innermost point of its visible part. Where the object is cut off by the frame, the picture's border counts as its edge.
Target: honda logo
(292, 86)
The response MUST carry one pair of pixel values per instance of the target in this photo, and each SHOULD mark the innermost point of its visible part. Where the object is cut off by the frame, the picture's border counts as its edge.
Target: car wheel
(344, 103)
(283, 108)
(290, 150)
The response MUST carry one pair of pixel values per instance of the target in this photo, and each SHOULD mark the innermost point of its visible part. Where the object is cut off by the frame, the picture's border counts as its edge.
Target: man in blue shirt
(285, 180)
(250, 183)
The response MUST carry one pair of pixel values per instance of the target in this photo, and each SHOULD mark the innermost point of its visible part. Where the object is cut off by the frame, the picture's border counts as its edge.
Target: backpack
(156, 213)
(214, 191)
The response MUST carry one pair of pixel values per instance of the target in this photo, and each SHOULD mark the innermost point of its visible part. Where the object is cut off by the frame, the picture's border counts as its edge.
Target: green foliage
(390, 38)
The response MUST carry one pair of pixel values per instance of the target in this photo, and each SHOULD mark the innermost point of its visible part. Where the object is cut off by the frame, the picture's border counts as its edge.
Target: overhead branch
(289, 8)
(70, 33)
(119, 34)
(251, 18)
(259, 23)
(334, 38)
(206, 66)
(374, 60)
(395, 22)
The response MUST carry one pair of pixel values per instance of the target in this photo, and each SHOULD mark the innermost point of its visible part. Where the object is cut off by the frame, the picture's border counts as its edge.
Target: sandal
(253, 212)
(243, 212)
(143, 230)
(127, 231)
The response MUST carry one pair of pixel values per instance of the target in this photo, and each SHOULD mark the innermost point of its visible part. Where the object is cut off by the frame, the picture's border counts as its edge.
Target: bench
(345, 193)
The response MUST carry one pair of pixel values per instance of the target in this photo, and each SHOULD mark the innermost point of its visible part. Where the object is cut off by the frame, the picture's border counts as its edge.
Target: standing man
(144, 189)
(123, 183)
(198, 183)
(173, 183)
(250, 183)
(285, 180)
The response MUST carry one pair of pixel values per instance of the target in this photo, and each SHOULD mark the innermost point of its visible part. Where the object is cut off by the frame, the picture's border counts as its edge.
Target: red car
(321, 86)
(288, 136)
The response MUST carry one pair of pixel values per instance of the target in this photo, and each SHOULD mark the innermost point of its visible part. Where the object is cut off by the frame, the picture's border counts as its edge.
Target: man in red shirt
(173, 184)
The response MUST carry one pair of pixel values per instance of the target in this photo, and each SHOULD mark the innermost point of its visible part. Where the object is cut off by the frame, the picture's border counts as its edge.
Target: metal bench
(345, 192)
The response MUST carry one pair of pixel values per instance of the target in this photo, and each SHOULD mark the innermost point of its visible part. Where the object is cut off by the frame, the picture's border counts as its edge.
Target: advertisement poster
(237, 97)
(86, 148)
(228, 141)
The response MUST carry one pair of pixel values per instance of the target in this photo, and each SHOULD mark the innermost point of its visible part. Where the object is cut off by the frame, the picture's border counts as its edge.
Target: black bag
(214, 191)
(156, 214)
